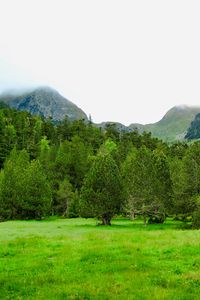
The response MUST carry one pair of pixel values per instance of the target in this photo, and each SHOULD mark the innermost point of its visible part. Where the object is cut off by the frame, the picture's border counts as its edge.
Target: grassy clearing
(74, 259)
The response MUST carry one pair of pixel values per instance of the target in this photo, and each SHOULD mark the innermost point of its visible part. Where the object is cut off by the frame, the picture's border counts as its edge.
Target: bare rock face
(46, 102)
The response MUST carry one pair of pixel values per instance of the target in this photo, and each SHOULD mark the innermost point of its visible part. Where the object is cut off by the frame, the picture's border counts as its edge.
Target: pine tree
(64, 197)
(102, 192)
(139, 178)
(163, 184)
(13, 183)
(37, 195)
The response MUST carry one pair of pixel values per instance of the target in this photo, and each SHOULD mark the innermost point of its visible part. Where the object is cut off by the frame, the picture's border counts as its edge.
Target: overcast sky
(127, 61)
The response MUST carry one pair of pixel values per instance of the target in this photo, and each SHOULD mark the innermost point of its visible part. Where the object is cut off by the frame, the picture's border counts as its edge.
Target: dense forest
(75, 169)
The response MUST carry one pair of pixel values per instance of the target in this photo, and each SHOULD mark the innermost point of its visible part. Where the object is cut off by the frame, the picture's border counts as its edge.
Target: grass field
(74, 259)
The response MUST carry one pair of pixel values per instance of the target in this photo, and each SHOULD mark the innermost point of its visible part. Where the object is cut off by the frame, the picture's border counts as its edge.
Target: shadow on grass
(119, 224)
(136, 226)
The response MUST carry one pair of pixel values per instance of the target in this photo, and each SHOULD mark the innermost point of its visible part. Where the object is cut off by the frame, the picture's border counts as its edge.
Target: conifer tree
(102, 192)
(139, 178)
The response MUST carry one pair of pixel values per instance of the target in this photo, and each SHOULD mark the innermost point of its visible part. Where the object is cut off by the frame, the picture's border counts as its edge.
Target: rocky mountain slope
(193, 132)
(44, 101)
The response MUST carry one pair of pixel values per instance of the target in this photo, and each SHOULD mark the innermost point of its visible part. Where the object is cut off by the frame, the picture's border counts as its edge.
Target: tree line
(74, 169)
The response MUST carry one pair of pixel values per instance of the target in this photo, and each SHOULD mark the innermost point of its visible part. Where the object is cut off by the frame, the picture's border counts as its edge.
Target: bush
(183, 217)
(157, 219)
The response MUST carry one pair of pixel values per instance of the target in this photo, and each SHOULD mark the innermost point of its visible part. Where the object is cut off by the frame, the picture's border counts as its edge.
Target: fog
(127, 61)
(14, 81)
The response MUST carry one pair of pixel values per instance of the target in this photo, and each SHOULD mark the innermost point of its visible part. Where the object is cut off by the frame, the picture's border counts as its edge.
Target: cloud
(126, 61)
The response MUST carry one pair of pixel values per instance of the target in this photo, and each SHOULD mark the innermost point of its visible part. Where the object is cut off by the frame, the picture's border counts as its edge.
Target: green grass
(74, 259)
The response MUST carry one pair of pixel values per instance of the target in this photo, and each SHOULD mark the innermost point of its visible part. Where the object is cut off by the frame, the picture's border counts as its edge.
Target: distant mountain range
(47, 102)
(172, 127)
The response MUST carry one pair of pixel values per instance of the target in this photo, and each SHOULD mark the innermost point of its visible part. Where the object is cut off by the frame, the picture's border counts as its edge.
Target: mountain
(193, 132)
(118, 126)
(173, 126)
(47, 102)
(43, 101)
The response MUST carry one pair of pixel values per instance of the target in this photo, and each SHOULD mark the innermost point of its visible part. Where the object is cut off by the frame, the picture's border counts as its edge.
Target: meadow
(75, 259)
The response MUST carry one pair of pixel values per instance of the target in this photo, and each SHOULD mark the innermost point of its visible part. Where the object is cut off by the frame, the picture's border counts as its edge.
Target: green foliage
(102, 191)
(196, 214)
(196, 219)
(24, 190)
(148, 184)
(110, 168)
(191, 165)
(13, 184)
(36, 193)
(109, 146)
(139, 180)
(162, 181)
(67, 201)
(111, 132)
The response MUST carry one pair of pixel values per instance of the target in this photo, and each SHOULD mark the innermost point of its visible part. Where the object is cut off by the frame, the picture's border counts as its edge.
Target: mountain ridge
(47, 102)
(173, 125)
(43, 101)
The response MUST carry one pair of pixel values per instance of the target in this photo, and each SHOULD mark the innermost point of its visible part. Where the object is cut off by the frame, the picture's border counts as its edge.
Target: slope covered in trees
(74, 169)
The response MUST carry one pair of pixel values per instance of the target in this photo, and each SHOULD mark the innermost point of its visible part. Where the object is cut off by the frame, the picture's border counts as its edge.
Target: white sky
(127, 61)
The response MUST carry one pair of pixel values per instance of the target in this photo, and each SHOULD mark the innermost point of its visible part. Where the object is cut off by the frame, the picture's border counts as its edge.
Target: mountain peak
(181, 107)
(186, 107)
(45, 89)
(174, 125)
(44, 101)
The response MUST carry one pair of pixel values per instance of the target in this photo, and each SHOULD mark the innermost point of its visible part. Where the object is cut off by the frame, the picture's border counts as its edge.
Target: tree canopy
(75, 168)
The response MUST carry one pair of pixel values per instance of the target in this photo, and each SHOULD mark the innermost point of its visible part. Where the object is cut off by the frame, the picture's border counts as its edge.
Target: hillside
(173, 126)
(193, 132)
(44, 101)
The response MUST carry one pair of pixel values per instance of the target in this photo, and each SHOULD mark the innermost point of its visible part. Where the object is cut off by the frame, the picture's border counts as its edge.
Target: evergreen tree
(13, 184)
(37, 195)
(64, 198)
(139, 178)
(163, 184)
(102, 192)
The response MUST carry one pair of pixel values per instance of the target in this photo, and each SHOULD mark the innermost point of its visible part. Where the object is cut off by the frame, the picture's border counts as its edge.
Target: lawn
(75, 259)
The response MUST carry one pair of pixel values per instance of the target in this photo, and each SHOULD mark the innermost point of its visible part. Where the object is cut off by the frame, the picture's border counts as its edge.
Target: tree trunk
(106, 220)
(145, 220)
(132, 215)
(65, 212)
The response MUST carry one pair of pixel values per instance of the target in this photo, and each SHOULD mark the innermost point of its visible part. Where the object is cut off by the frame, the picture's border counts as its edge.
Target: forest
(74, 169)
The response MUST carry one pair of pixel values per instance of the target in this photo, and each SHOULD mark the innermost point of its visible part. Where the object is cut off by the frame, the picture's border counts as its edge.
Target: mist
(127, 61)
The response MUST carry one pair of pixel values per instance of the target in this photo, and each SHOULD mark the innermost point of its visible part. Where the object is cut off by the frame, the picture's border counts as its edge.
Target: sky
(119, 60)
